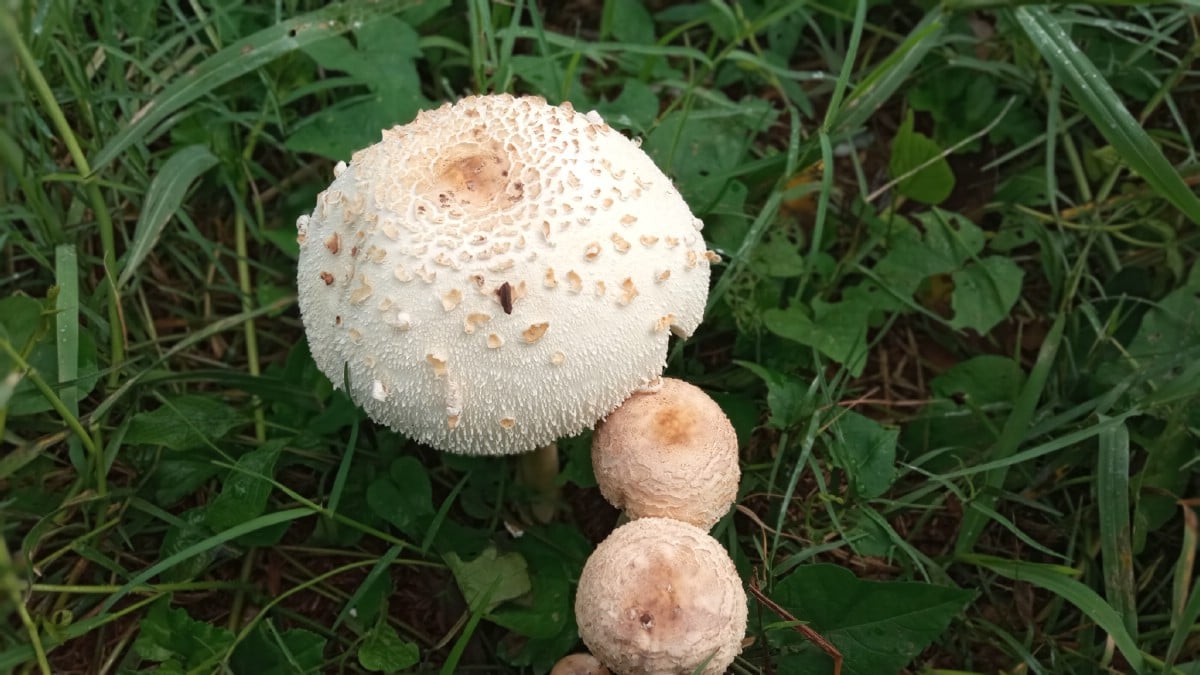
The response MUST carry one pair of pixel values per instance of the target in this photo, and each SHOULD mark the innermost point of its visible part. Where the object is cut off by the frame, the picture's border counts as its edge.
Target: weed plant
(956, 326)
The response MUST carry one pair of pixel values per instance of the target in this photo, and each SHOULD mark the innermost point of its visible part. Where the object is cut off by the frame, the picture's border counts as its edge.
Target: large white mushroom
(670, 453)
(661, 597)
(498, 273)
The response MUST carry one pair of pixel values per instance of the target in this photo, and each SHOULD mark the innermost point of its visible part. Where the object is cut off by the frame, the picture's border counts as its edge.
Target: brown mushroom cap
(660, 596)
(670, 453)
(498, 273)
(579, 664)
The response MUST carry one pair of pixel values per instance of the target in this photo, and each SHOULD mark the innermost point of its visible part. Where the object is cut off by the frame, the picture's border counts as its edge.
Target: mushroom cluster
(498, 273)
(659, 595)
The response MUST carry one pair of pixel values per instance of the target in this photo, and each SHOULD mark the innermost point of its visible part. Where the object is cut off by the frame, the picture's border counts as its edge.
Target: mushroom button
(660, 596)
(579, 664)
(669, 453)
(449, 238)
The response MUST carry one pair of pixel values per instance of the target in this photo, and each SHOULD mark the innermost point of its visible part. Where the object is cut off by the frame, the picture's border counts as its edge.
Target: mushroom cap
(670, 453)
(498, 273)
(659, 596)
(579, 664)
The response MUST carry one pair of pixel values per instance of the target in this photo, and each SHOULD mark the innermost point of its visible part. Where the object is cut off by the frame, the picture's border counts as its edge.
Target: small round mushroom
(498, 273)
(579, 664)
(669, 453)
(661, 596)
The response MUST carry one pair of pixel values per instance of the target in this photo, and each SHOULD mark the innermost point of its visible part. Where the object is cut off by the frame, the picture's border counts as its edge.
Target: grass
(955, 328)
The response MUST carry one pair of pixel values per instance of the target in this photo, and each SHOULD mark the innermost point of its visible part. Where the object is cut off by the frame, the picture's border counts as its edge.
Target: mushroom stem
(538, 471)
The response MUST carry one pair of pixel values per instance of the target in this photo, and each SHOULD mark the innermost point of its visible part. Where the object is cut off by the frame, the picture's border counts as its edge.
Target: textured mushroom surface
(659, 597)
(498, 273)
(669, 453)
(579, 664)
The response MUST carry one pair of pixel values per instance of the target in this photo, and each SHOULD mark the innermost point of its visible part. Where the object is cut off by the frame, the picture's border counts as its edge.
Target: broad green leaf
(1052, 578)
(383, 650)
(183, 423)
(163, 199)
(1103, 106)
(383, 60)
(555, 558)
(404, 496)
(266, 651)
(919, 164)
(170, 634)
(878, 626)
(984, 293)
(838, 329)
(491, 578)
(787, 395)
(245, 489)
(866, 451)
(181, 537)
(982, 380)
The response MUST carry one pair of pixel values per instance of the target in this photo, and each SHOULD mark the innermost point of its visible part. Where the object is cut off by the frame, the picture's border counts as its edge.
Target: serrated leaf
(245, 490)
(490, 578)
(163, 198)
(984, 293)
(383, 650)
(183, 423)
(169, 634)
(878, 626)
(918, 163)
(866, 451)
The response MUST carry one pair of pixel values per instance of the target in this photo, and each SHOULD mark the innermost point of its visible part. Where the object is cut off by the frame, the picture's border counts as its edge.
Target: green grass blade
(886, 78)
(1185, 614)
(240, 58)
(206, 544)
(1050, 578)
(1116, 547)
(1011, 435)
(66, 332)
(1097, 99)
(163, 198)
(380, 568)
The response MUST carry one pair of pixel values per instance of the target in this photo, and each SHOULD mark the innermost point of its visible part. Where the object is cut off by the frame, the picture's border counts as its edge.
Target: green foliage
(879, 626)
(956, 327)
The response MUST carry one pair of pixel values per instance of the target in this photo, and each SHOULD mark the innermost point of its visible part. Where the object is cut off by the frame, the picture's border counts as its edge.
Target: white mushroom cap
(498, 273)
(660, 596)
(670, 453)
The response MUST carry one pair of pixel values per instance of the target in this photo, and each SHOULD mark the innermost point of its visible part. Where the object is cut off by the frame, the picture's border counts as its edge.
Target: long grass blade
(1097, 99)
(1116, 546)
(240, 58)
(1011, 435)
(163, 198)
(1050, 578)
(1185, 612)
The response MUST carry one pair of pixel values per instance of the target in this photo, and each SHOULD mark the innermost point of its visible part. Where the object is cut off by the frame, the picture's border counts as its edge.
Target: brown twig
(808, 633)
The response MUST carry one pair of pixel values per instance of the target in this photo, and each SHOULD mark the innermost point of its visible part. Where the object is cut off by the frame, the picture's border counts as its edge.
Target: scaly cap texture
(498, 273)
(659, 597)
(669, 453)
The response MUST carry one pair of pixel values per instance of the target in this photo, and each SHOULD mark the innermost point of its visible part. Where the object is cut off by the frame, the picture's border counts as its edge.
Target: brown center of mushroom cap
(476, 177)
(674, 427)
